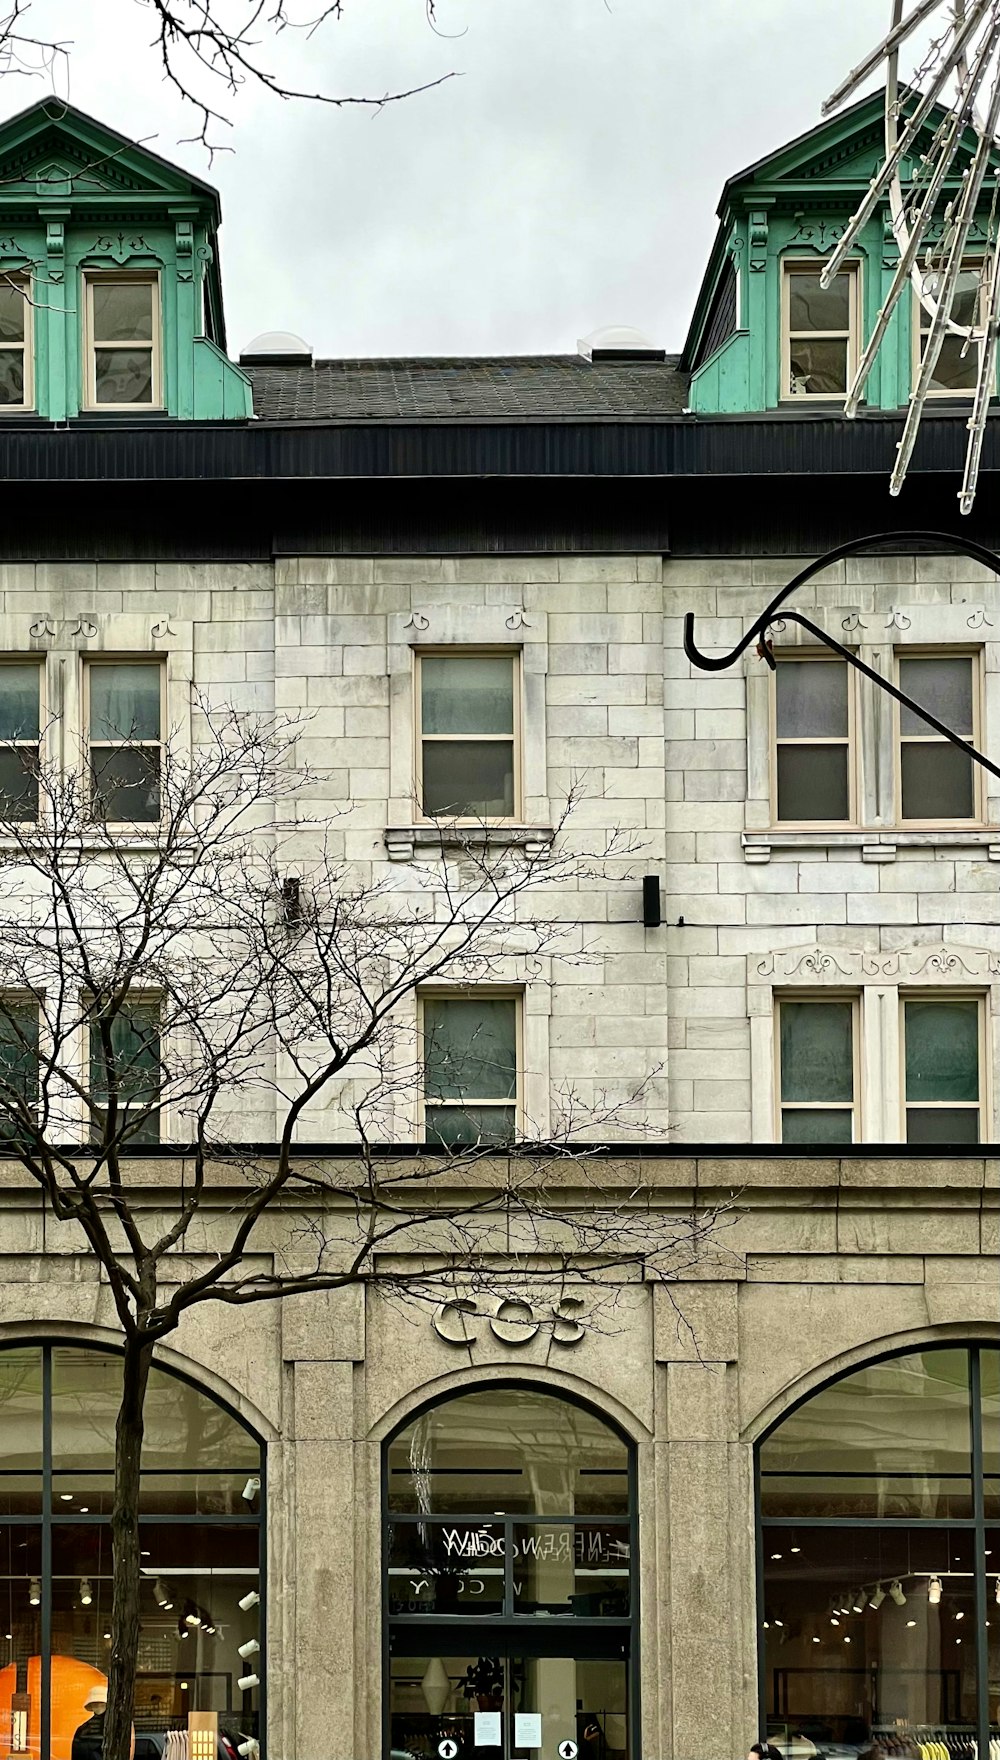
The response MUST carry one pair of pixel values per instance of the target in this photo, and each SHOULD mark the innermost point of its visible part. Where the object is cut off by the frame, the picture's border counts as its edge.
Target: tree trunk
(125, 1551)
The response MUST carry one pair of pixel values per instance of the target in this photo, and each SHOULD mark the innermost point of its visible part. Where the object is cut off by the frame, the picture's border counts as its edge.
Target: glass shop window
(937, 782)
(468, 735)
(471, 1064)
(123, 318)
(817, 1069)
(813, 718)
(943, 1064)
(16, 376)
(125, 721)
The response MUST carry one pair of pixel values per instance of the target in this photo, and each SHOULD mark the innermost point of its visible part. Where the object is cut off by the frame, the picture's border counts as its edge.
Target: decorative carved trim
(159, 631)
(939, 964)
(758, 239)
(978, 619)
(42, 626)
(84, 626)
(897, 619)
(403, 841)
(517, 620)
(120, 246)
(853, 621)
(820, 234)
(418, 621)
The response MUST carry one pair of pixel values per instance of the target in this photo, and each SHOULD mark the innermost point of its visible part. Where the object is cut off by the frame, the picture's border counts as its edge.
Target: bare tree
(209, 51)
(181, 956)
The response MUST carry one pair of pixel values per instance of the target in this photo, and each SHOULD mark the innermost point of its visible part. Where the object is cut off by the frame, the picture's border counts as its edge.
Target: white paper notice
(527, 1729)
(486, 1731)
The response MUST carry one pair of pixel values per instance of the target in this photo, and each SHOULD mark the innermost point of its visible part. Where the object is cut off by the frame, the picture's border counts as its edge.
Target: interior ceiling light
(162, 1595)
(996, 1592)
(250, 1599)
(934, 1591)
(86, 1593)
(252, 1487)
(34, 1592)
(911, 1622)
(959, 1614)
(247, 1682)
(877, 1597)
(251, 1647)
(858, 1603)
(898, 1593)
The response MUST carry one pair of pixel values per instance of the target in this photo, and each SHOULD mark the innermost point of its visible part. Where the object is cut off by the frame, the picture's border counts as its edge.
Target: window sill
(403, 841)
(875, 846)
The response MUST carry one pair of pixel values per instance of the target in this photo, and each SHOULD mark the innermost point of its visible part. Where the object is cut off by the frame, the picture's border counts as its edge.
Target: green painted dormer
(764, 335)
(110, 295)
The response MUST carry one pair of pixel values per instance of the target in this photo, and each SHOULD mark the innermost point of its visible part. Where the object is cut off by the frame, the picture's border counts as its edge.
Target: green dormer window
(819, 331)
(957, 364)
(122, 345)
(15, 343)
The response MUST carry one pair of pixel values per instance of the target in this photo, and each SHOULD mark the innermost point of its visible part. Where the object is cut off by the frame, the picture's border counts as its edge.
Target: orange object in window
(72, 1684)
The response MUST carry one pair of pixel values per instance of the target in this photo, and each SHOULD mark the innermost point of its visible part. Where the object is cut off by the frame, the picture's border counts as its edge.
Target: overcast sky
(568, 179)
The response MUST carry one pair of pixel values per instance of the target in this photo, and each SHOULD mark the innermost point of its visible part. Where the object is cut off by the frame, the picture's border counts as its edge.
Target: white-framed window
(19, 1067)
(812, 759)
(935, 782)
(125, 1065)
(473, 1065)
(944, 1066)
(123, 708)
(958, 363)
(468, 733)
(122, 353)
(20, 737)
(817, 1068)
(17, 389)
(820, 330)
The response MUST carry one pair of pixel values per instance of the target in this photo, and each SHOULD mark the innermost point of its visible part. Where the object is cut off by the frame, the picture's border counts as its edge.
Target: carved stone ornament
(418, 621)
(120, 246)
(42, 626)
(942, 964)
(897, 619)
(83, 626)
(163, 628)
(517, 620)
(512, 1321)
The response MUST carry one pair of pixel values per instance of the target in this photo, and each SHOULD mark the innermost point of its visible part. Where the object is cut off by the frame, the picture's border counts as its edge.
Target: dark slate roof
(520, 388)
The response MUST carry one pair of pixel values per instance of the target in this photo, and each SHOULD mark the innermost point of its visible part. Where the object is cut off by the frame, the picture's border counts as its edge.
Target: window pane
(465, 1125)
(18, 1060)
(19, 701)
(11, 375)
(467, 693)
(21, 1408)
(817, 369)
(812, 782)
(12, 311)
(18, 783)
(436, 1567)
(470, 1048)
(123, 375)
(184, 1425)
(583, 1569)
(942, 1050)
(957, 366)
(944, 686)
(942, 1124)
(965, 306)
(125, 784)
(815, 1125)
(811, 699)
(904, 1417)
(123, 311)
(936, 781)
(812, 307)
(817, 1059)
(124, 701)
(512, 1450)
(469, 779)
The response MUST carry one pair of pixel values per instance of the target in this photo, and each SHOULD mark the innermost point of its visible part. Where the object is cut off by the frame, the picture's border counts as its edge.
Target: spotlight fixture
(209, 1631)
(65, 1497)
(815, 1640)
(847, 1640)
(86, 1593)
(911, 1622)
(767, 1628)
(898, 1593)
(877, 1597)
(934, 1591)
(779, 1623)
(192, 1616)
(250, 1599)
(858, 1602)
(996, 1592)
(251, 1647)
(247, 1681)
(795, 1549)
(774, 1555)
(162, 1595)
(34, 1592)
(245, 1749)
(959, 1613)
(252, 1487)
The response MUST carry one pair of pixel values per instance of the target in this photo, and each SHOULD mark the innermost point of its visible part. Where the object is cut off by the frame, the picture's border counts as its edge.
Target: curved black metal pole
(716, 663)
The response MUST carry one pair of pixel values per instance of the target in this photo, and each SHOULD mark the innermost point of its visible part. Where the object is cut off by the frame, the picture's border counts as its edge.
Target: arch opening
(878, 1520)
(201, 1520)
(509, 1587)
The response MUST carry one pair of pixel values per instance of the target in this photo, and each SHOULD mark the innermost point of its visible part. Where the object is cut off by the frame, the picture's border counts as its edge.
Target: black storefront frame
(46, 1520)
(976, 1524)
(523, 1634)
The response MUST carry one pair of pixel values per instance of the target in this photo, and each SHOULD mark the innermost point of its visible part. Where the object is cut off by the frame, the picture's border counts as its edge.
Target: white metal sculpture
(954, 91)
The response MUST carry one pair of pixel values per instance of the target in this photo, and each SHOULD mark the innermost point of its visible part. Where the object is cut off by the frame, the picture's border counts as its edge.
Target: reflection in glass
(811, 697)
(535, 1704)
(123, 311)
(580, 1568)
(447, 1568)
(815, 307)
(942, 1070)
(184, 1427)
(467, 727)
(936, 781)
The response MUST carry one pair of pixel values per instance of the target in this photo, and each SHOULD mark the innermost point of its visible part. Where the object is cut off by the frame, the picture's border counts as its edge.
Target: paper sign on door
(486, 1731)
(527, 1729)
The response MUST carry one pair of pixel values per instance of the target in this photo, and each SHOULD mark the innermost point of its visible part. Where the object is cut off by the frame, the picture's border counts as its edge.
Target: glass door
(517, 1707)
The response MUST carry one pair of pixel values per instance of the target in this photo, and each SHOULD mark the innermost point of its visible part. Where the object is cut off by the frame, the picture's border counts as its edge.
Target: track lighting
(858, 1602)
(834, 1620)
(767, 1625)
(251, 1488)
(815, 1640)
(86, 1593)
(779, 1623)
(192, 1616)
(934, 1591)
(898, 1593)
(245, 1749)
(911, 1622)
(209, 1629)
(247, 1681)
(34, 1592)
(959, 1614)
(996, 1593)
(877, 1597)
(250, 1599)
(251, 1647)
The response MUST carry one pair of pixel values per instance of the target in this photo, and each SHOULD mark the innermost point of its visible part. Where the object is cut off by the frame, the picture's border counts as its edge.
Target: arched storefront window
(510, 1589)
(879, 1545)
(201, 1535)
